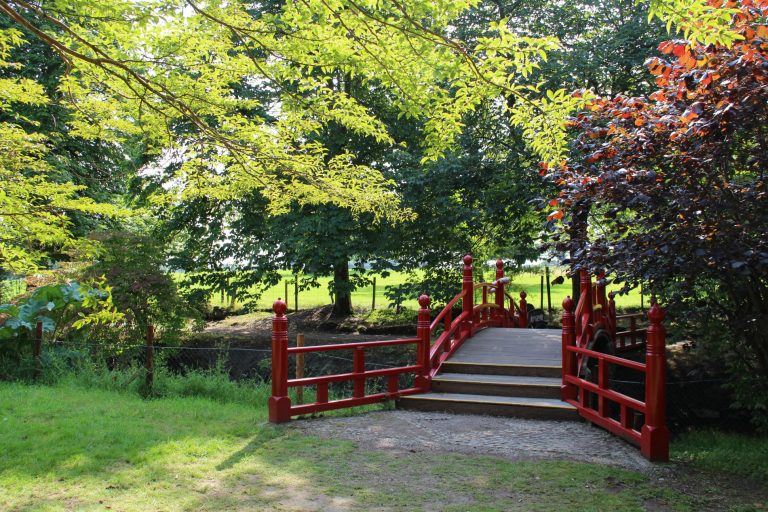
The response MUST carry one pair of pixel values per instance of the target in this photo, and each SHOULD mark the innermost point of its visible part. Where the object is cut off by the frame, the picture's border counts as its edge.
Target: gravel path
(510, 438)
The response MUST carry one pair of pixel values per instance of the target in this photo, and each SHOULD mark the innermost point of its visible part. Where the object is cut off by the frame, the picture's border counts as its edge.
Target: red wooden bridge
(487, 361)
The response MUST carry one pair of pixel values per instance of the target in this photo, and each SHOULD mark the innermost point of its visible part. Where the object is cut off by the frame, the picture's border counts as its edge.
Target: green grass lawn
(362, 297)
(70, 448)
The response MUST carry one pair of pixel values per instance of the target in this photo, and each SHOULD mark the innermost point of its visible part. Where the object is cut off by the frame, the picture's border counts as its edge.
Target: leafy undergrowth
(729, 453)
(70, 448)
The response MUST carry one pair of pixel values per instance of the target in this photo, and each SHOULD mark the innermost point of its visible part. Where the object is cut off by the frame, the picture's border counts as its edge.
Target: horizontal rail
(445, 310)
(630, 315)
(609, 424)
(341, 377)
(352, 346)
(298, 410)
(608, 393)
(455, 325)
(486, 305)
(608, 358)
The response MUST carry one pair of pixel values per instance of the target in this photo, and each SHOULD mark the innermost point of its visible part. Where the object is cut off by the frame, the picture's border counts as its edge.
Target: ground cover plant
(67, 447)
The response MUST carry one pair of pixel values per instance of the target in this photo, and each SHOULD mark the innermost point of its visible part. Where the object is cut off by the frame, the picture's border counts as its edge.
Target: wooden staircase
(523, 391)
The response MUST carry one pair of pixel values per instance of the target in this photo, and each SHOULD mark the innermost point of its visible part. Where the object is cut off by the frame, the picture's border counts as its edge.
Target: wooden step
(498, 385)
(520, 407)
(526, 370)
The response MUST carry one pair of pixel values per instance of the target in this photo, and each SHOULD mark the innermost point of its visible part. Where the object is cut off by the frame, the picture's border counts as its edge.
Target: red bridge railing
(641, 422)
(502, 312)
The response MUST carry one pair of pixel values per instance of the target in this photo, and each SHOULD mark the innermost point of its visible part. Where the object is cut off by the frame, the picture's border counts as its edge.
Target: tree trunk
(342, 289)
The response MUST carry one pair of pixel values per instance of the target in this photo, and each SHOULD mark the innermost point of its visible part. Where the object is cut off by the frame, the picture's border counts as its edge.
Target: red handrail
(280, 407)
(429, 356)
(653, 436)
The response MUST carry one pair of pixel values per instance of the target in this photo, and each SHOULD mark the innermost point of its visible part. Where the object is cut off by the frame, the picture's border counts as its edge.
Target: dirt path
(510, 438)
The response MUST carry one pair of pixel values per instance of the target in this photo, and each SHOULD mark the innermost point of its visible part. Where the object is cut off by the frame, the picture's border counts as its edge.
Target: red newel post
(654, 444)
(499, 312)
(468, 302)
(423, 380)
(523, 309)
(568, 391)
(279, 402)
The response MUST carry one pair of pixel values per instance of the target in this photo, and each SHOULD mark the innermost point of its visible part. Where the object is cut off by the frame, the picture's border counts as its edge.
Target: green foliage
(58, 308)
(674, 186)
(142, 291)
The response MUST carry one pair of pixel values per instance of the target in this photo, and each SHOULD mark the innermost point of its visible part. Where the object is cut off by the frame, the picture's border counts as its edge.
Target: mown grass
(725, 452)
(70, 448)
(362, 297)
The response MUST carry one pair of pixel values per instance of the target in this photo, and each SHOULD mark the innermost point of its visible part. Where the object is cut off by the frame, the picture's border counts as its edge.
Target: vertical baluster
(279, 402)
(499, 311)
(358, 368)
(448, 344)
(523, 309)
(654, 443)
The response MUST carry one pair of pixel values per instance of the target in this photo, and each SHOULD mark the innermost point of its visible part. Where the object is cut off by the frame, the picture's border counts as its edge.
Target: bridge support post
(423, 380)
(523, 310)
(468, 302)
(654, 443)
(279, 402)
(499, 312)
(568, 391)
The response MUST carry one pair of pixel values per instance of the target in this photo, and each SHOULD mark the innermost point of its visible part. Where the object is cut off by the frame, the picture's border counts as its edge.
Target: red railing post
(358, 367)
(499, 312)
(423, 380)
(523, 309)
(468, 302)
(279, 402)
(568, 391)
(654, 443)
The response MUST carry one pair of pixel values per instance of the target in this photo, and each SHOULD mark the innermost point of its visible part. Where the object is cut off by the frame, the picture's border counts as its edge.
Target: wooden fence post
(286, 295)
(295, 292)
(149, 361)
(373, 300)
(549, 295)
(468, 301)
(423, 380)
(541, 294)
(300, 368)
(37, 348)
(279, 402)
(568, 391)
(654, 442)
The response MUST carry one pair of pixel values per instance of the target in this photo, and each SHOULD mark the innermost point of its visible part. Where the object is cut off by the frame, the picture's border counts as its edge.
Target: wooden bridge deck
(525, 347)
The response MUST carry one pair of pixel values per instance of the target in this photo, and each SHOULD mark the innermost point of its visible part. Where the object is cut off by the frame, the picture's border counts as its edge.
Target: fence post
(286, 295)
(423, 380)
(549, 295)
(300, 368)
(612, 315)
(568, 391)
(499, 312)
(279, 402)
(654, 442)
(295, 292)
(468, 302)
(523, 310)
(149, 362)
(37, 348)
(373, 300)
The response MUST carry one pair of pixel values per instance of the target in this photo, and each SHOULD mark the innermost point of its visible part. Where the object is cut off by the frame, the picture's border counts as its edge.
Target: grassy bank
(69, 448)
(362, 297)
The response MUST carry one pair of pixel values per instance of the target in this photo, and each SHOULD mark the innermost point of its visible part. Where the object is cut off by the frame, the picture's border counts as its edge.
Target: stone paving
(510, 438)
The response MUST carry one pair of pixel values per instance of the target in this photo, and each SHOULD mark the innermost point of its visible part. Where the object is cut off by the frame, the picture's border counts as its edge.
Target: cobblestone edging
(503, 437)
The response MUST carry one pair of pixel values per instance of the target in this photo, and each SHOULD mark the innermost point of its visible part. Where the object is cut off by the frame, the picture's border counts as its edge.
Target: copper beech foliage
(672, 188)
